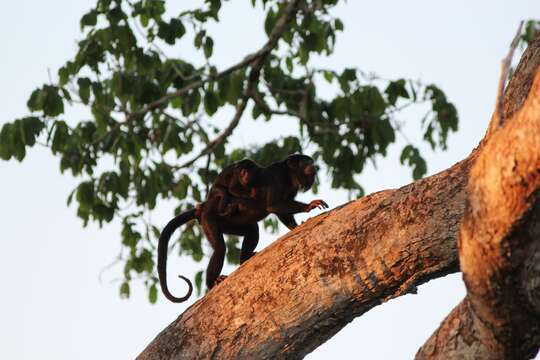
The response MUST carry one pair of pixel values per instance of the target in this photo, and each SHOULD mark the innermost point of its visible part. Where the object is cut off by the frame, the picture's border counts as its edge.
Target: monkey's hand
(321, 204)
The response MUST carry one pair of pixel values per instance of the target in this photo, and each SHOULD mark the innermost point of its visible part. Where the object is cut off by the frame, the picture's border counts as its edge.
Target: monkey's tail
(163, 246)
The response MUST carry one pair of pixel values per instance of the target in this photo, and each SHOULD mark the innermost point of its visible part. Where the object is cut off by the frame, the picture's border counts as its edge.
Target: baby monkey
(236, 180)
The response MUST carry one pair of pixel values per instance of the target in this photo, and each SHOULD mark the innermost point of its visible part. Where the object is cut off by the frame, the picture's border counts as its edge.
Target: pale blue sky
(55, 307)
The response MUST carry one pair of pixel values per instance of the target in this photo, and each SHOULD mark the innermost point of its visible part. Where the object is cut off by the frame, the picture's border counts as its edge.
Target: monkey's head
(302, 169)
(247, 170)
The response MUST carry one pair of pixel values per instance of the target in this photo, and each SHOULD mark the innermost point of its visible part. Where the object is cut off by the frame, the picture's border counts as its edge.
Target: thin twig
(255, 96)
(240, 107)
(505, 70)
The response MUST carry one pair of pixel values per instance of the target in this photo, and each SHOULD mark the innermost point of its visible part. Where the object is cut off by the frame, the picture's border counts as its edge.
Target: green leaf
(17, 143)
(66, 95)
(208, 47)
(46, 99)
(198, 282)
(31, 127)
(338, 25)
(124, 290)
(233, 250)
(181, 189)
(152, 294)
(53, 104)
(289, 64)
(130, 237)
(199, 39)
(271, 224)
(35, 102)
(85, 193)
(373, 101)
(115, 15)
(63, 76)
(176, 102)
(191, 103)
(531, 30)
(236, 87)
(270, 21)
(84, 89)
(196, 193)
(396, 89)
(172, 31)
(60, 137)
(329, 76)
(190, 242)
(211, 102)
(6, 141)
(411, 156)
(420, 169)
(89, 19)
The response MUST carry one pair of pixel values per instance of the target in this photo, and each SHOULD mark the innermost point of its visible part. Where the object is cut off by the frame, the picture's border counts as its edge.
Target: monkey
(236, 180)
(233, 179)
(273, 189)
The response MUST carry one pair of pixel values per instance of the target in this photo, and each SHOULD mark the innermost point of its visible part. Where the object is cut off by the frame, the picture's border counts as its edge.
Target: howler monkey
(236, 180)
(273, 190)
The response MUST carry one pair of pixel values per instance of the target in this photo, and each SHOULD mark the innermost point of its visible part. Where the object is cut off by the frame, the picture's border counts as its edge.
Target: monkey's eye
(310, 169)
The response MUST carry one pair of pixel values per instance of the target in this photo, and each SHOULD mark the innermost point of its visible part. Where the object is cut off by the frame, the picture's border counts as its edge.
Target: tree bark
(306, 286)
(499, 246)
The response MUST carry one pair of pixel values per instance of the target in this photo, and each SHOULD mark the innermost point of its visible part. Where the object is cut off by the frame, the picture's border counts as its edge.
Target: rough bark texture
(306, 286)
(499, 246)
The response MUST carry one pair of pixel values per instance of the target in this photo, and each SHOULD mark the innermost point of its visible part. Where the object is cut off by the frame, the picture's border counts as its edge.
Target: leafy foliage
(150, 136)
(531, 30)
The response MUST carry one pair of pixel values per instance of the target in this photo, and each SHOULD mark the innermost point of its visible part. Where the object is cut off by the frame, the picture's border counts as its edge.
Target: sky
(60, 299)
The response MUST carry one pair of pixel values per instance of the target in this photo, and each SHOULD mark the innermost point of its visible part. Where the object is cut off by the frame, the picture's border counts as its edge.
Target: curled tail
(163, 246)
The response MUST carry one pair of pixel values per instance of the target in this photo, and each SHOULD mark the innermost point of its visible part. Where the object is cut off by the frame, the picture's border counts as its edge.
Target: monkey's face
(309, 171)
(303, 170)
(246, 177)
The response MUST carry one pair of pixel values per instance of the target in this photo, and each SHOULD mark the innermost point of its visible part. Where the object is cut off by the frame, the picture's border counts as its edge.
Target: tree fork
(499, 246)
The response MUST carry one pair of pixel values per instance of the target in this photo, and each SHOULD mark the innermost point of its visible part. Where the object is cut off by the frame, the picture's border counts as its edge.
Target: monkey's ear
(292, 162)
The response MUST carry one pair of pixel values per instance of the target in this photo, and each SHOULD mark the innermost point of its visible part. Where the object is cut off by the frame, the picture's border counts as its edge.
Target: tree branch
(273, 38)
(240, 107)
(302, 289)
(256, 62)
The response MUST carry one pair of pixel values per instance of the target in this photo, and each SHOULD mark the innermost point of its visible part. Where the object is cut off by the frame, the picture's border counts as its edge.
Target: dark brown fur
(272, 190)
(236, 180)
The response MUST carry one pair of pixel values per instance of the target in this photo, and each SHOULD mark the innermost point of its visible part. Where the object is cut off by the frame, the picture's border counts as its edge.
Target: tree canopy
(151, 133)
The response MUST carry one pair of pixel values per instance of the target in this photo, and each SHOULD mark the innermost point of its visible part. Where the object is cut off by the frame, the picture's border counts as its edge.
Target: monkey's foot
(220, 279)
(246, 258)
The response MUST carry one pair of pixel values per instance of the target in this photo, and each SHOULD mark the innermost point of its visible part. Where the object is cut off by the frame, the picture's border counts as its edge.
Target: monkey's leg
(288, 220)
(251, 239)
(215, 237)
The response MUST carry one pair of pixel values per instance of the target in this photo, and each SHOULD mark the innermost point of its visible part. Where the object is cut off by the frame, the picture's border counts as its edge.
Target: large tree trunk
(499, 247)
(306, 286)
